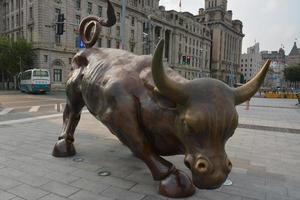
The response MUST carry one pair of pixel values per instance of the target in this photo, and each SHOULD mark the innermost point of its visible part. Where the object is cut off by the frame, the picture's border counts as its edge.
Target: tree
(15, 56)
(292, 73)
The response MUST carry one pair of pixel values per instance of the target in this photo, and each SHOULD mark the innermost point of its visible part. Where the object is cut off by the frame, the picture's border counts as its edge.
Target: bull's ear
(246, 91)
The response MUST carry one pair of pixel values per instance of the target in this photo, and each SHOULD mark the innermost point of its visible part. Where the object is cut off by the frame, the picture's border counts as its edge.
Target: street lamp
(123, 17)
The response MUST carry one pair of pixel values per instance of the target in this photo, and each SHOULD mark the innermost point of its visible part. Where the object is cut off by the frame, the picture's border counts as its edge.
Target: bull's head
(207, 118)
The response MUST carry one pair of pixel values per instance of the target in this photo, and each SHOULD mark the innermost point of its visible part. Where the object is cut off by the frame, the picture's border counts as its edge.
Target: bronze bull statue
(155, 112)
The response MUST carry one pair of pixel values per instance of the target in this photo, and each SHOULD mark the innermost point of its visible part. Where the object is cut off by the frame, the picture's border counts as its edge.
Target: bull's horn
(246, 91)
(166, 86)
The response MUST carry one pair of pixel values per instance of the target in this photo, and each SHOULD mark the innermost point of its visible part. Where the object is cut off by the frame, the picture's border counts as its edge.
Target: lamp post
(123, 31)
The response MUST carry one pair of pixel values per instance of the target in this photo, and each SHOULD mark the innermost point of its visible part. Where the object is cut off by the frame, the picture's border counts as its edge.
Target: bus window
(26, 75)
(40, 73)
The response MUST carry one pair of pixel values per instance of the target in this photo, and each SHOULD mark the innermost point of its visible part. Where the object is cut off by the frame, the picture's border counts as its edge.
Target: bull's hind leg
(122, 121)
(64, 146)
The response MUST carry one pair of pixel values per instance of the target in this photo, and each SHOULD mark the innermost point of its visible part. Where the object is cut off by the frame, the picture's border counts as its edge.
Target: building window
(132, 34)
(31, 13)
(18, 20)
(18, 4)
(118, 17)
(77, 42)
(78, 4)
(22, 20)
(12, 5)
(78, 19)
(90, 8)
(132, 47)
(45, 58)
(118, 31)
(117, 44)
(70, 61)
(100, 11)
(108, 43)
(12, 22)
(100, 42)
(132, 21)
(57, 37)
(135, 3)
(30, 34)
(57, 75)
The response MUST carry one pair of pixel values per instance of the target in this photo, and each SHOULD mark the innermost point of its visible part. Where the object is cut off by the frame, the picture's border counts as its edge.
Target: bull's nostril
(202, 166)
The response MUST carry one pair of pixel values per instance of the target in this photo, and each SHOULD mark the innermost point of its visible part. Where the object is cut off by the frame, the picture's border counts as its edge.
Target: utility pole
(123, 31)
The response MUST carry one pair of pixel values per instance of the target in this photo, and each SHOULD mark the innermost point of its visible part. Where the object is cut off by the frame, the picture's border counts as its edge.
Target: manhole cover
(104, 173)
(77, 159)
(228, 182)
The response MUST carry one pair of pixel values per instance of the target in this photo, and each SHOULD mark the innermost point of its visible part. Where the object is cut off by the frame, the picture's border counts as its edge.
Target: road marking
(58, 108)
(24, 102)
(5, 111)
(34, 109)
(31, 119)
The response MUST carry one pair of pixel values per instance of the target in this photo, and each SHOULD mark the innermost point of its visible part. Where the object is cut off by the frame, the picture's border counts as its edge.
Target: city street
(16, 105)
(265, 151)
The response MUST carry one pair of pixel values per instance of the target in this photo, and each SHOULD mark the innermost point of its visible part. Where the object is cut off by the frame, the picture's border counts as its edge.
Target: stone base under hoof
(177, 185)
(62, 148)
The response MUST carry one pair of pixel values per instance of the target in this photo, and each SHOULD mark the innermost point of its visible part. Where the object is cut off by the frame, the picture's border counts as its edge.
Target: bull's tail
(91, 22)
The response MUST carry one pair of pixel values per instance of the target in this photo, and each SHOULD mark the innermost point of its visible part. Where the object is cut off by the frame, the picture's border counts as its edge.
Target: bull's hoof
(177, 185)
(62, 148)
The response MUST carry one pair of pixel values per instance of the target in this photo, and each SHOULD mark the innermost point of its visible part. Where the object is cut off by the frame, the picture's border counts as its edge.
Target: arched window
(57, 72)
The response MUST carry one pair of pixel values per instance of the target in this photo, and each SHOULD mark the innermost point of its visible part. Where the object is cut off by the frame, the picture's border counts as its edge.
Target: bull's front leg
(64, 146)
(122, 121)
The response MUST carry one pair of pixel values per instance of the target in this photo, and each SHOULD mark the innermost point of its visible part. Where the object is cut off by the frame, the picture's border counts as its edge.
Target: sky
(272, 23)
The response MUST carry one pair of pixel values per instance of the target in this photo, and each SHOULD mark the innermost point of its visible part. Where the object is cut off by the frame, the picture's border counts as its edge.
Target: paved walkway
(266, 163)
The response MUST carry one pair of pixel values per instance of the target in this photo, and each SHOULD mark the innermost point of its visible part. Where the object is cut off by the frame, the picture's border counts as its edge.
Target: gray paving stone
(121, 194)
(53, 197)
(266, 163)
(62, 177)
(84, 195)
(60, 188)
(28, 192)
(7, 183)
(92, 186)
(217, 195)
(17, 198)
(34, 180)
(5, 195)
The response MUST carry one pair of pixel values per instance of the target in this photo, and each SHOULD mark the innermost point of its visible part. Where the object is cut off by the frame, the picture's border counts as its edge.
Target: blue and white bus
(35, 81)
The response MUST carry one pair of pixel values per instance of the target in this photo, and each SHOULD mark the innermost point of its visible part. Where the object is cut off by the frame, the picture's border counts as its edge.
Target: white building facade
(250, 62)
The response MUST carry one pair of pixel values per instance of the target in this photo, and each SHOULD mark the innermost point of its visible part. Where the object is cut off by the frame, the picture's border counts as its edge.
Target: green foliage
(292, 73)
(15, 55)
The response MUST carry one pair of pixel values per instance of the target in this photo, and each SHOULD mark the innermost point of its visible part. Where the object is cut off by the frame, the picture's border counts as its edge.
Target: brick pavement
(266, 163)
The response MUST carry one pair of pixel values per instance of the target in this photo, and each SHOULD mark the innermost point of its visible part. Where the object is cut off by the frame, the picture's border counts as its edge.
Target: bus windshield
(40, 73)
